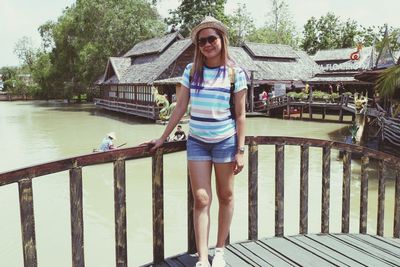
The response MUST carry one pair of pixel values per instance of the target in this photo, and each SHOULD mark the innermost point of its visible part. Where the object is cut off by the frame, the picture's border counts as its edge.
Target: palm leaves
(388, 82)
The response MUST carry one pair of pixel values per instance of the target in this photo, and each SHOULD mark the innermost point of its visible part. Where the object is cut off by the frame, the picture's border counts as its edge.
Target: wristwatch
(241, 150)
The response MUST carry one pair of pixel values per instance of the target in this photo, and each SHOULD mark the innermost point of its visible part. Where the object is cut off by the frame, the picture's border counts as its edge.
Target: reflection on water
(37, 132)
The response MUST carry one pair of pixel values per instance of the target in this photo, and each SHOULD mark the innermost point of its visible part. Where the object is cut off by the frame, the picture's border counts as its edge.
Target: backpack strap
(231, 74)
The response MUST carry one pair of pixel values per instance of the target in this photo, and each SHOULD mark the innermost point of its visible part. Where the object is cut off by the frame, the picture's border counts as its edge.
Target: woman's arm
(240, 112)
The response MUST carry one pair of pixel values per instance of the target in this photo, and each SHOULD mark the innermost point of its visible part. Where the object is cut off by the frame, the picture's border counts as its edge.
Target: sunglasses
(209, 39)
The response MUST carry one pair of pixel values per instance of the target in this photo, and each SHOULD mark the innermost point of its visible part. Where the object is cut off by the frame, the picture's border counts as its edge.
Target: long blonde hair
(199, 58)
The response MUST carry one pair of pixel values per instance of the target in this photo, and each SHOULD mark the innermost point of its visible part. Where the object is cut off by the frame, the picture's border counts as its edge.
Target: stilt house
(156, 65)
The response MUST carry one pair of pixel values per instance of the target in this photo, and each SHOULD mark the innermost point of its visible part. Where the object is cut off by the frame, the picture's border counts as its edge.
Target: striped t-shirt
(210, 116)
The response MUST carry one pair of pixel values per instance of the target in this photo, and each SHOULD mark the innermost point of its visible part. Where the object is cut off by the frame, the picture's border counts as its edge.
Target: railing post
(27, 222)
(158, 206)
(364, 195)
(381, 198)
(346, 191)
(326, 176)
(76, 206)
(304, 154)
(121, 254)
(279, 189)
(253, 190)
(191, 235)
(396, 226)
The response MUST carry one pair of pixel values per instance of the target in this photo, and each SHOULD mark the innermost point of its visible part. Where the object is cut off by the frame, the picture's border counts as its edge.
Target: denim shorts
(221, 152)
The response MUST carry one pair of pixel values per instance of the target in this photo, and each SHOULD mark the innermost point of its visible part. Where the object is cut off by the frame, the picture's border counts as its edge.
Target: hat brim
(211, 24)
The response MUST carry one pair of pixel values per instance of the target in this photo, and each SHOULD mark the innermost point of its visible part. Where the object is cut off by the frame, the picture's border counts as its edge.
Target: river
(38, 131)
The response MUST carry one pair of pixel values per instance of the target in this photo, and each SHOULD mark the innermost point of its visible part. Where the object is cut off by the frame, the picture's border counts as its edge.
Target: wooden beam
(76, 206)
(326, 174)
(158, 206)
(364, 195)
(346, 191)
(253, 191)
(304, 165)
(279, 189)
(121, 253)
(27, 222)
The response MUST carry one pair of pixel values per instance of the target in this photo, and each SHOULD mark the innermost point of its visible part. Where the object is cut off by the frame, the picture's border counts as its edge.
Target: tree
(8, 76)
(25, 51)
(89, 32)
(310, 41)
(329, 32)
(192, 12)
(240, 24)
(279, 29)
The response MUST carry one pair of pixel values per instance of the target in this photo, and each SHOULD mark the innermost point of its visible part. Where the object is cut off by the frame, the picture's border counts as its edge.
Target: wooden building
(341, 65)
(130, 81)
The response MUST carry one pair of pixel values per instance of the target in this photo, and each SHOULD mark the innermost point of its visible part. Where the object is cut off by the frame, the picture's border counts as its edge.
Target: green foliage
(8, 75)
(335, 96)
(83, 38)
(25, 51)
(279, 28)
(298, 96)
(192, 12)
(240, 24)
(348, 93)
(389, 82)
(42, 70)
(329, 32)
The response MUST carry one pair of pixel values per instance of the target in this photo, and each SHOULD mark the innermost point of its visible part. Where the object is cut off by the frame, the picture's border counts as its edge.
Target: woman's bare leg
(224, 186)
(200, 179)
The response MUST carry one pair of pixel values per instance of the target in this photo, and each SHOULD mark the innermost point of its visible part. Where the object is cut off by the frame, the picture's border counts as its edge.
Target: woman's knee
(201, 199)
(225, 197)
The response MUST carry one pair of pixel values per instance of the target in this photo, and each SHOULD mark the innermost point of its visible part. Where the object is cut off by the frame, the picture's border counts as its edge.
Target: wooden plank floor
(306, 250)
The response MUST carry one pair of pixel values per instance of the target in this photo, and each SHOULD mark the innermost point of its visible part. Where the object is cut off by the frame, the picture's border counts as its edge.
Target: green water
(38, 132)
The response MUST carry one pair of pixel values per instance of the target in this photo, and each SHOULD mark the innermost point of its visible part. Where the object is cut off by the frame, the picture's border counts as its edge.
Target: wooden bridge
(305, 249)
(285, 103)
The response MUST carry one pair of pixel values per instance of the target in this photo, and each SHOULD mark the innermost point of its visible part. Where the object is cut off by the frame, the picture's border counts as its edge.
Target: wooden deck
(306, 250)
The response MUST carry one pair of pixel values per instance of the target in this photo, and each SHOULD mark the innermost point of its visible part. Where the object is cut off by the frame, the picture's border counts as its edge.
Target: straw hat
(208, 22)
(112, 135)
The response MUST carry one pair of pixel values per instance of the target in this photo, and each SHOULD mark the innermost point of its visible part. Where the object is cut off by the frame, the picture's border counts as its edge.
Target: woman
(216, 136)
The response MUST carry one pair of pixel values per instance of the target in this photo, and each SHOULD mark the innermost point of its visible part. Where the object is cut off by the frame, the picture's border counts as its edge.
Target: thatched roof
(147, 72)
(270, 50)
(120, 64)
(334, 54)
(270, 63)
(366, 61)
(300, 68)
(116, 67)
(154, 45)
(242, 59)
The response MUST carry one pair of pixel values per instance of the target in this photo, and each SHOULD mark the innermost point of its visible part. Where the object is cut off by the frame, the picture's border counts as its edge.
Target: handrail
(118, 157)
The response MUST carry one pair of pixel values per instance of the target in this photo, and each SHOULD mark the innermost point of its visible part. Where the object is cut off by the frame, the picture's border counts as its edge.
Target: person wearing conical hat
(216, 131)
(107, 143)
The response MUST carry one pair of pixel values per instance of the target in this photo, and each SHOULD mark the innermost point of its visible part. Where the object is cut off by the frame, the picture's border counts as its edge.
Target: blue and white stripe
(210, 116)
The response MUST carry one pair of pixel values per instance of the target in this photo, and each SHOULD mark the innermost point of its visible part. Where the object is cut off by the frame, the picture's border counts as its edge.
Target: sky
(19, 18)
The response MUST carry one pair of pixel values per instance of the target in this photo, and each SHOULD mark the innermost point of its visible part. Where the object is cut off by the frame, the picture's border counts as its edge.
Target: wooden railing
(24, 178)
(149, 110)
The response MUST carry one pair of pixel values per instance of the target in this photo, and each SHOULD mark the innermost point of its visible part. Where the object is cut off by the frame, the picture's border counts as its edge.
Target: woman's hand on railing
(154, 144)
